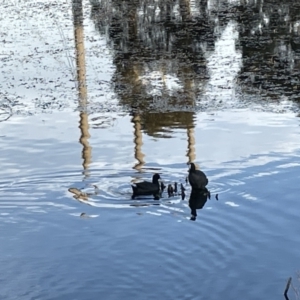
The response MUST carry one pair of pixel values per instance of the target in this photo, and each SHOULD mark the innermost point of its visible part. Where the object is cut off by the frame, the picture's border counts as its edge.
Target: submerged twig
(287, 288)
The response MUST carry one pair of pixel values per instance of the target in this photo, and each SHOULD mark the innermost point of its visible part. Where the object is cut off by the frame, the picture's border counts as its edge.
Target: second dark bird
(197, 178)
(199, 193)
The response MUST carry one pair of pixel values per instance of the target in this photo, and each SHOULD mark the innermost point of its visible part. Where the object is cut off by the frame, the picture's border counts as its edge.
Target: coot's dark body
(199, 193)
(197, 178)
(147, 188)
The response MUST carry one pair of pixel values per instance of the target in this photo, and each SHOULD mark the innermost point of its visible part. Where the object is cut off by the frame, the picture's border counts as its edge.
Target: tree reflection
(168, 37)
(155, 42)
(270, 41)
(161, 49)
(81, 82)
(138, 141)
(160, 64)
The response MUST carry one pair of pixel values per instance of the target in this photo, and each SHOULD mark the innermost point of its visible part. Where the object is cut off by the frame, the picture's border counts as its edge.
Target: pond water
(95, 99)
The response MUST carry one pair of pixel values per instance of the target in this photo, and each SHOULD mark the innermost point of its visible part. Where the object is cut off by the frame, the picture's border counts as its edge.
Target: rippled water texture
(245, 243)
(93, 100)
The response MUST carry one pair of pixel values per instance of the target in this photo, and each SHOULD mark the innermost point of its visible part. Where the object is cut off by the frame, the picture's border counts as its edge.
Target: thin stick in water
(287, 288)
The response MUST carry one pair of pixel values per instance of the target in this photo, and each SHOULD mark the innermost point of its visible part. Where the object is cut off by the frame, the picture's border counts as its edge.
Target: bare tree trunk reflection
(138, 141)
(185, 10)
(191, 145)
(160, 65)
(86, 153)
(81, 80)
(79, 49)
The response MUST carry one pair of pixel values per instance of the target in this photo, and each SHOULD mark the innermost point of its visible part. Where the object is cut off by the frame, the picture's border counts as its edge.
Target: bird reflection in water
(182, 188)
(170, 190)
(199, 193)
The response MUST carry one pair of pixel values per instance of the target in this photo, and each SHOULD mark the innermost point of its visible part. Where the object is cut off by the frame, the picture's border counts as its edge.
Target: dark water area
(95, 96)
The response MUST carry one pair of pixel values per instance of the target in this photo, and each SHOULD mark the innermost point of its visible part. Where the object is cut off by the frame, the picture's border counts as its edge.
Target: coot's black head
(155, 178)
(192, 167)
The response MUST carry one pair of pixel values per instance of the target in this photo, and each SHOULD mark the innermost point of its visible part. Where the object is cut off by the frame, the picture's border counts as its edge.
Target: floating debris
(78, 194)
(83, 215)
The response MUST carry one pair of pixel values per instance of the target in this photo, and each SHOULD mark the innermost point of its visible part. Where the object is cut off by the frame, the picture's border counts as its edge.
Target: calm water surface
(136, 112)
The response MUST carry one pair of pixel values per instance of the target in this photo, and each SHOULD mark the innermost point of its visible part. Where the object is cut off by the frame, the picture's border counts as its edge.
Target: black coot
(148, 188)
(199, 193)
(197, 178)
